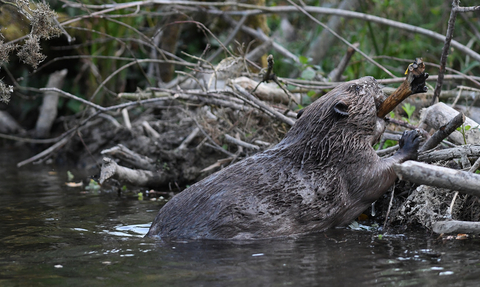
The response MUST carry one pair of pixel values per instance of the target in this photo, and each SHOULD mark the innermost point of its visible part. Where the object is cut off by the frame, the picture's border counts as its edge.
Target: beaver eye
(341, 108)
(299, 114)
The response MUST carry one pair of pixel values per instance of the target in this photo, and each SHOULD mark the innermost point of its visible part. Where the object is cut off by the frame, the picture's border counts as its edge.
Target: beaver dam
(162, 139)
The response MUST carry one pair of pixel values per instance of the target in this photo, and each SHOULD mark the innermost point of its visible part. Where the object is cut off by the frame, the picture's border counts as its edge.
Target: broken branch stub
(414, 83)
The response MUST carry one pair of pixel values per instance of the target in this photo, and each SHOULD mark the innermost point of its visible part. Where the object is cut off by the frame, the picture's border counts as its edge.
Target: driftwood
(440, 114)
(110, 169)
(456, 226)
(8, 124)
(266, 91)
(48, 110)
(137, 160)
(422, 173)
(414, 83)
(451, 153)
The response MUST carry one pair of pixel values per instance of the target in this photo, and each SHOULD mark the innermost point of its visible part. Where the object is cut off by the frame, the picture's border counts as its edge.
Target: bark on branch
(414, 83)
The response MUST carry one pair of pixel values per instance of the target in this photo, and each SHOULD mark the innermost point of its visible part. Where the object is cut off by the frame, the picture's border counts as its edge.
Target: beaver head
(342, 121)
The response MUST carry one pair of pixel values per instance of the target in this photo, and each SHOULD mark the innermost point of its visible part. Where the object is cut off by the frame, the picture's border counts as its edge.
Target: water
(54, 235)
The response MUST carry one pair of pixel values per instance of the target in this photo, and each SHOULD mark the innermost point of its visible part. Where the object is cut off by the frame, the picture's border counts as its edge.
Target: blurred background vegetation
(105, 42)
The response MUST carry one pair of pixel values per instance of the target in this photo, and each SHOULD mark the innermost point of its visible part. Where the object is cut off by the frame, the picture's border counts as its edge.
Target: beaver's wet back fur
(323, 174)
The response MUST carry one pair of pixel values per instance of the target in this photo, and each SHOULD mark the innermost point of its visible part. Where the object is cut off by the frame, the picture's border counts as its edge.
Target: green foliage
(165, 166)
(308, 74)
(386, 144)
(303, 60)
(92, 186)
(409, 109)
(462, 130)
(129, 33)
(70, 176)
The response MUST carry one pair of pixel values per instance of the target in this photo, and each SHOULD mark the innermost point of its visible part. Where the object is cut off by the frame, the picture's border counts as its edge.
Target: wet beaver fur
(324, 173)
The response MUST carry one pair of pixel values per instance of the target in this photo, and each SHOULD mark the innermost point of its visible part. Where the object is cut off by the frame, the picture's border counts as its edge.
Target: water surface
(54, 235)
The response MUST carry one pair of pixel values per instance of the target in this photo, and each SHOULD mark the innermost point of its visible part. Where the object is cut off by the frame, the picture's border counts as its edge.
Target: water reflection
(54, 235)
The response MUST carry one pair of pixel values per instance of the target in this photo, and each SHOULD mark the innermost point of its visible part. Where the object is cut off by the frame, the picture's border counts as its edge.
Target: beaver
(323, 174)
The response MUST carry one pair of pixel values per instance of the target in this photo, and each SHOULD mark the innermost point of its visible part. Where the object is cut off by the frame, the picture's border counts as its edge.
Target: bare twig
(443, 132)
(389, 207)
(446, 48)
(45, 152)
(230, 38)
(262, 37)
(264, 106)
(188, 139)
(238, 142)
(336, 74)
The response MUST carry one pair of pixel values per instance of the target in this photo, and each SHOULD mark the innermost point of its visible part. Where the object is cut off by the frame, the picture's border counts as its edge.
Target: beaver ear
(300, 112)
(341, 108)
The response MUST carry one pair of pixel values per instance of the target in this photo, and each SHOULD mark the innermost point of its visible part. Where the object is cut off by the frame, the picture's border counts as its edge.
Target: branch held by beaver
(414, 83)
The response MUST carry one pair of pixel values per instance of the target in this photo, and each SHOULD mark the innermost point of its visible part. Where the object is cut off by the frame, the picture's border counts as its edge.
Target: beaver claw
(409, 144)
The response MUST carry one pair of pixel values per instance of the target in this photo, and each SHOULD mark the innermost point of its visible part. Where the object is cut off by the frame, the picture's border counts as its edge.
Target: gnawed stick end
(414, 83)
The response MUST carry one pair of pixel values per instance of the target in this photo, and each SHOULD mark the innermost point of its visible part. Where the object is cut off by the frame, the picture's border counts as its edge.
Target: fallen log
(451, 153)
(422, 173)
(137, 160)
(456, 226)
(266, 91)
(110, 169)
(440, 114)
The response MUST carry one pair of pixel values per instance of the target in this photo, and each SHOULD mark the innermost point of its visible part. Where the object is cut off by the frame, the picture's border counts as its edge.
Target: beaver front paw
(409, 144)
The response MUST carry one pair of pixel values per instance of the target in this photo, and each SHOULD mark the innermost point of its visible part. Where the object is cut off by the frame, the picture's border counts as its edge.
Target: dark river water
(54, 235)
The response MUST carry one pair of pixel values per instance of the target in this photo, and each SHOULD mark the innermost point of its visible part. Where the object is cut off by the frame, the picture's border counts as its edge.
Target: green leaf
(70, 176)
(308, 74)
(304, 60)
(409, 109)
(311, 93)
